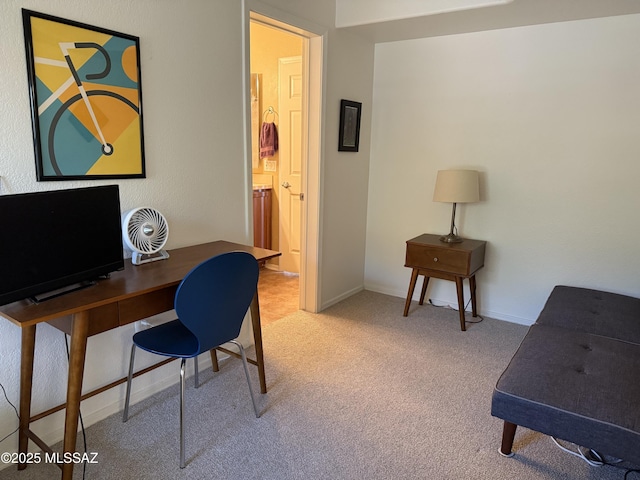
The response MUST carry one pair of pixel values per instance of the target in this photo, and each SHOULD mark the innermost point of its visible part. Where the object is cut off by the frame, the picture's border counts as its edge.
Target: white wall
(549, 114)
(346, 174)
(197, 175)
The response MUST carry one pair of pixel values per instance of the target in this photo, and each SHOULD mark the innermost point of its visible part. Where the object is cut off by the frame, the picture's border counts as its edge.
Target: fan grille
(147, 230)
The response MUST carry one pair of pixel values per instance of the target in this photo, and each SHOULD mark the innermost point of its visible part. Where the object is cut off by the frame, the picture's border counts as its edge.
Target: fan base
(140, 258)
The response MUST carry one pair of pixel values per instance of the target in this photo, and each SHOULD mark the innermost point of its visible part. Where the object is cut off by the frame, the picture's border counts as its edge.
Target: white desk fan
(145, 232)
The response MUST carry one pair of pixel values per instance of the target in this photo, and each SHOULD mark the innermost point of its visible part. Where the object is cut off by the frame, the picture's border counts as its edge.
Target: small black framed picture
(349, 134)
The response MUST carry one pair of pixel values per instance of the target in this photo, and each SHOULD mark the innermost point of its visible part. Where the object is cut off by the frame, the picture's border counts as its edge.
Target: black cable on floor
(14, 409)
(457, 310)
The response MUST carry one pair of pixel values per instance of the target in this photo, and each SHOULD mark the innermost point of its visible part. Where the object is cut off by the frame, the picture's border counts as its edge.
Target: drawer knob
(435, 259)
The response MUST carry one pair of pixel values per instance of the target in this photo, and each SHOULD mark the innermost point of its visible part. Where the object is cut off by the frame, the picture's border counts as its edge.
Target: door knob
(288, 185)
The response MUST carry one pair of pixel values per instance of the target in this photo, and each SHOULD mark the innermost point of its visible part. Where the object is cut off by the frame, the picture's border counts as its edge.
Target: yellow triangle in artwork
(127, 155)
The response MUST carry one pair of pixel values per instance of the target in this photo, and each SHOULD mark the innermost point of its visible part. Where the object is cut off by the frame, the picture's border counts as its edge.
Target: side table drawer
(434, 258)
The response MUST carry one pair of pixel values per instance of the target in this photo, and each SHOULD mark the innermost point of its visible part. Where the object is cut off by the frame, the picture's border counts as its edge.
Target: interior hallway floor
(278, 293)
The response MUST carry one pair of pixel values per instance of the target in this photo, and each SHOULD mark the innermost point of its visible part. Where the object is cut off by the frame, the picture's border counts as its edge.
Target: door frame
(314, 67)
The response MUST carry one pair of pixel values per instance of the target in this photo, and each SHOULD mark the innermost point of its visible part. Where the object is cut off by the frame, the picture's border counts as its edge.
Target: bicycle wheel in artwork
(86, 99)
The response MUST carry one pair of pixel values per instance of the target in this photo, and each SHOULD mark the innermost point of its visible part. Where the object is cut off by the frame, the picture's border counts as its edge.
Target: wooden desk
(132, 294)
(430, 257)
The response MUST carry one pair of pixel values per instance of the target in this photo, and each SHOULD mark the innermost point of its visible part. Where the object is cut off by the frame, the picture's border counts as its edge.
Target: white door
(291, 155)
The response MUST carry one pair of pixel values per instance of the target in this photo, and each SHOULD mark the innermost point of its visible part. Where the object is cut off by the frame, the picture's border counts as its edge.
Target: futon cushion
(593, 311)
(576, 386)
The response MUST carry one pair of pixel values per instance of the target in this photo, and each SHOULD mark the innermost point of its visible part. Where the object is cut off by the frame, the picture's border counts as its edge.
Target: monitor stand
(61, 291)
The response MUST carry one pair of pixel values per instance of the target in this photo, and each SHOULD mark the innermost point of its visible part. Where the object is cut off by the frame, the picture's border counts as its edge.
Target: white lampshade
(457, 186)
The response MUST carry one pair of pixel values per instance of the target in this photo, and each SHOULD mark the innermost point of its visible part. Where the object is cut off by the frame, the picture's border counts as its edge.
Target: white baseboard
(341, 297)
(486, 313)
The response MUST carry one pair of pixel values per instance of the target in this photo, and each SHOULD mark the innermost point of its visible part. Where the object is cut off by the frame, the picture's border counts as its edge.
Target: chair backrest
(214, 297)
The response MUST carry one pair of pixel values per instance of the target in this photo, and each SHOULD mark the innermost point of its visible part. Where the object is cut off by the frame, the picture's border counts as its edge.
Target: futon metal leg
(125, 415)
(182, 374)
(508, 434)
(246, 372)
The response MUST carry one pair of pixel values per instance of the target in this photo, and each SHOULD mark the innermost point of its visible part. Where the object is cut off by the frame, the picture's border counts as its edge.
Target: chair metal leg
(125, 414)
(182, 374)
(246, 372)
(195, 366)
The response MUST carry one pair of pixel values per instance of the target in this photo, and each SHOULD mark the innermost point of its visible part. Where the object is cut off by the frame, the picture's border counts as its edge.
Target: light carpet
(355, 392)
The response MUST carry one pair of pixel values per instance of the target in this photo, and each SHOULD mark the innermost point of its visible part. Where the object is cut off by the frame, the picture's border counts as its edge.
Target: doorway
(277, 154)
(285, 65)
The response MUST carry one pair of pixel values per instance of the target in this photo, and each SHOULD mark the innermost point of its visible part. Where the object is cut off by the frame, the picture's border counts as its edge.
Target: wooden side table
(430, 257)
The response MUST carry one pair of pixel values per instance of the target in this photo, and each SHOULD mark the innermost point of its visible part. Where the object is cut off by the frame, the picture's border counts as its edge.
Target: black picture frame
(349, 133)
(85, 91)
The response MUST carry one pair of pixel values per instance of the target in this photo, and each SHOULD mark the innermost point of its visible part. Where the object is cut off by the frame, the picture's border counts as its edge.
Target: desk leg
(214, 360)
(79, 332)
(412, 287)
(459, 288)
(472, 287)
(257, 339)
(27, 350)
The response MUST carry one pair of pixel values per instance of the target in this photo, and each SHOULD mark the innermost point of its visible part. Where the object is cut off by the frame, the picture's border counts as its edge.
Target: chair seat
(171, 339)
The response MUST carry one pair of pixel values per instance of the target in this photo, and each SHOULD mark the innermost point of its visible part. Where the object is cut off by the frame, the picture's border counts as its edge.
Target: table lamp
(456, 186)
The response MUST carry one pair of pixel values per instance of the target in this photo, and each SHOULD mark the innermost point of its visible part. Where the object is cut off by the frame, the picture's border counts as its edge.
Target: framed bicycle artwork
(86, 100)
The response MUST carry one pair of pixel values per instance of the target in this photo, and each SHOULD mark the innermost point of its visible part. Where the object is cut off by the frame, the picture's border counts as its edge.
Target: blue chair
(211, 303)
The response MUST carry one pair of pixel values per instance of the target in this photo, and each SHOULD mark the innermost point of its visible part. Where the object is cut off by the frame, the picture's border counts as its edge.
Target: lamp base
(451, 238)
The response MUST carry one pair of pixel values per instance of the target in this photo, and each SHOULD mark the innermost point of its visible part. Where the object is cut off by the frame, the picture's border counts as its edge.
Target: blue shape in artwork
(116, 77)
(76, 148)
(42, 91)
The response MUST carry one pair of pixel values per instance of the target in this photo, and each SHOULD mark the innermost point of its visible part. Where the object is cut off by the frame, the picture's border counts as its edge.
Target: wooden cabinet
(262, 218)
(428, 256)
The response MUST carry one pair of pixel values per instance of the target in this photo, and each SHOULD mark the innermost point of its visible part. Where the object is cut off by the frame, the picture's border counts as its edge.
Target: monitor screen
(58, 238)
